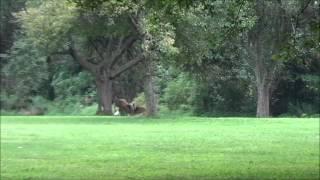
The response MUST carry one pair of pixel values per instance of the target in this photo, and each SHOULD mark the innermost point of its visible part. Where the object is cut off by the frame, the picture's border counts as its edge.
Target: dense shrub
(216, 97)
(179, 93)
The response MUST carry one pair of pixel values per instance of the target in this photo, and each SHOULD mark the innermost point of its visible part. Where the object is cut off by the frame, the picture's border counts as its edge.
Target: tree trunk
(104, 90)
(263, 103)
(50, 69)
(263, 83)
(267, 38)
(149, 91)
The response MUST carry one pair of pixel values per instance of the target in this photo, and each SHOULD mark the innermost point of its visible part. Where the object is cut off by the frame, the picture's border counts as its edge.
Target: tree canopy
(204, 57)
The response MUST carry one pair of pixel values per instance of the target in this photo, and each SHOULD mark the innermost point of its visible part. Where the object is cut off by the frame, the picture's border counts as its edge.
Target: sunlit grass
(162, 148)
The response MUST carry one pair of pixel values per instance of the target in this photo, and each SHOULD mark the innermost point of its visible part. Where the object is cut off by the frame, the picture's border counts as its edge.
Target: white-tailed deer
(128, 108)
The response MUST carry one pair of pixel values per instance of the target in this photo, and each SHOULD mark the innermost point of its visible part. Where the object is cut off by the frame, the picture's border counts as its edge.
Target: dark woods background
(212, 58)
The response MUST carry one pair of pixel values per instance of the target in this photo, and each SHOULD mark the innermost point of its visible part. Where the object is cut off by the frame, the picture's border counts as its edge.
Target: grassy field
(166, 148)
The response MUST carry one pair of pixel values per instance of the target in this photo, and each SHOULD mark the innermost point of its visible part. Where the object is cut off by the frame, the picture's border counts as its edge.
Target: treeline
(211, 58)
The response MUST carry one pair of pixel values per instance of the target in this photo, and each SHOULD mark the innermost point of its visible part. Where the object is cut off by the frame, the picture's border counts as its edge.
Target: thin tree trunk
(51, 91)
(104, 89)
(149, 90)
(98, 87)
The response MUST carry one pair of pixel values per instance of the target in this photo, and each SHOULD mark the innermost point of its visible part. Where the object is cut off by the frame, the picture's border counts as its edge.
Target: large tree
(267, 41)
(145, 20)
(106, 40)
(102, 42)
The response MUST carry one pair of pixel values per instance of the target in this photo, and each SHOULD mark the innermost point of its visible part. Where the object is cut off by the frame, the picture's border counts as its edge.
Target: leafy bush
(40, 102)
(303, 110)
(67, 84)
(179, 93)
(8, 102)
(8, 113)
(140, 100)
(225, 97)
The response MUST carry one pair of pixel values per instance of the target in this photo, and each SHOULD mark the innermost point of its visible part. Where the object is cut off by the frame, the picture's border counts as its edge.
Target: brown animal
(128, 108)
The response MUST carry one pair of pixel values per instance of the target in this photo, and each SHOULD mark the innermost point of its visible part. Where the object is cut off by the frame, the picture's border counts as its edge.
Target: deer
(128, 108)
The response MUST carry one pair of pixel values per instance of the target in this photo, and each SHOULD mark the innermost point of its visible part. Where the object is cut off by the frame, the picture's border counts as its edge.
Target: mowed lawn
(166, 148)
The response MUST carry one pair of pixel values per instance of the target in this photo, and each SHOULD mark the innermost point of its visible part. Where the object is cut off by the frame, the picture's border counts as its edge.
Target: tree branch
(120, 42)
(301, 12)
(110, 41)
(135, 24)
(128, 42)
(126, 66)
(82, 61)
(125, 45)
(96, 49)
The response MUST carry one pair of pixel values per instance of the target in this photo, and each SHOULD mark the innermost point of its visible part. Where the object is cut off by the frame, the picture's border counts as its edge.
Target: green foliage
(5, 112)
(312, 82)
(163, 37)
(48, 24)
(8, 24)
(198, 33)
(40, 102)
(26, 66)
(140, 100)
(303, 109)
(179, 93)
(8, 102)
(67, 84)
(70, 105)
(225, 97)
(201, 50)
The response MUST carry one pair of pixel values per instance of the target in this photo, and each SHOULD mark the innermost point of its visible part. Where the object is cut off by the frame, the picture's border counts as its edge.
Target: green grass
(165, 148)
